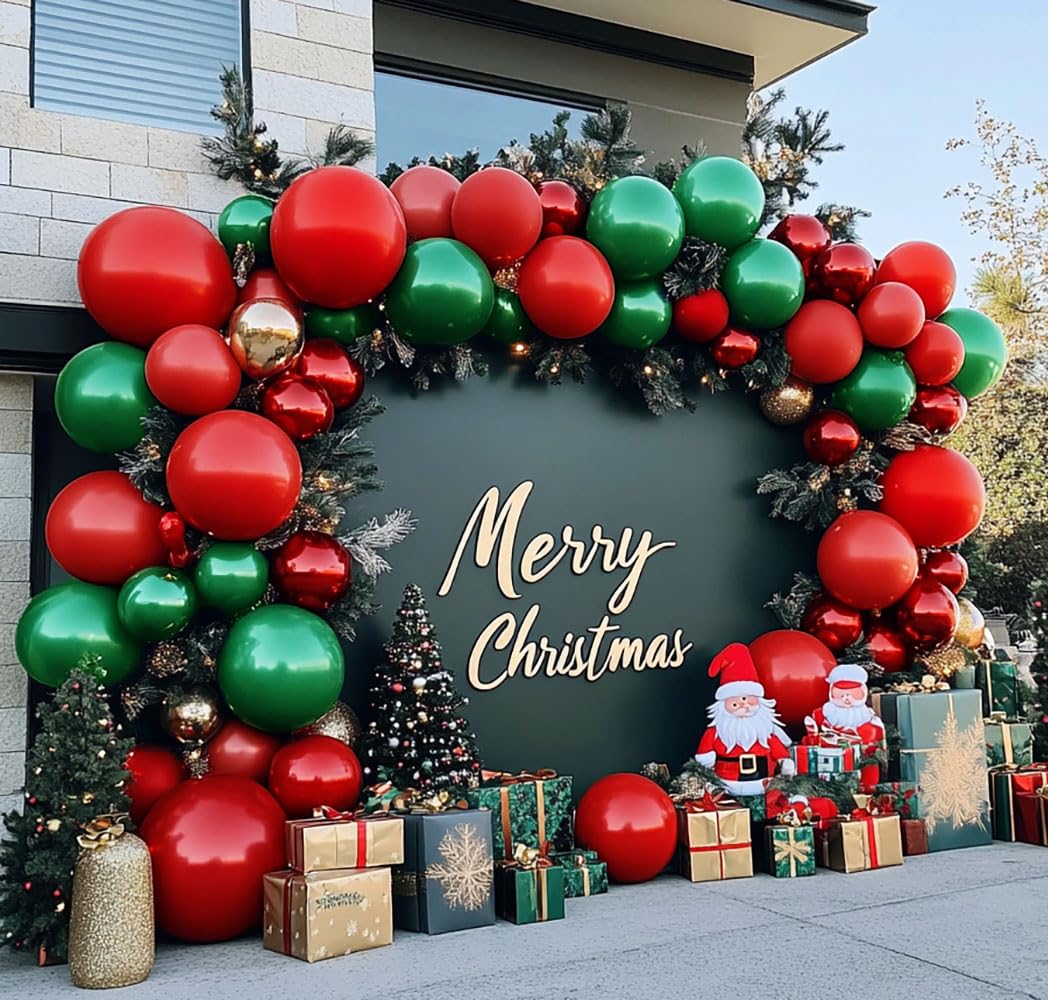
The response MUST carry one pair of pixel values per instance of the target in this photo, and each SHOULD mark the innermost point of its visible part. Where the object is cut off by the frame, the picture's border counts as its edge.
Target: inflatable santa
(745, 743)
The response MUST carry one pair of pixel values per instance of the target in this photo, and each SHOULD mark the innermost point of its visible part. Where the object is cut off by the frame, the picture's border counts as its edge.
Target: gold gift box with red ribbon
(714, 839)
(869, 838)
(333, 839)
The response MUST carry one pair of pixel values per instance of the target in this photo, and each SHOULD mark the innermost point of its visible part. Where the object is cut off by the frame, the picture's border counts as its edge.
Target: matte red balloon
(939, 408)
(835, 625)
(265, 283)
(926, 268)
(805, 235)
(100, 529)
(191, 370)
(299, 406)
(735, 348)
(843, 272)
(793, 667)
(948, 567)
(425, 194)
(337, 236)
(631, 823)
(241, 751)
(891, 315)
(147, 269)
(497, 213)
(327, 362)
(936, 355)
(824, 342)
(935, 493)
(867, 560)
(831, 437)
(563, 208)
(887, 647)
(154, 772)
(234, 475)
(211, 841)
(566, 288)
(701, 317)
(927, 614)
(312, 570)
(315, 771)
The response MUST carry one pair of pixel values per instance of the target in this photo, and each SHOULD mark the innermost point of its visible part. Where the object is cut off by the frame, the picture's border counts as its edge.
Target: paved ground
(951, 926)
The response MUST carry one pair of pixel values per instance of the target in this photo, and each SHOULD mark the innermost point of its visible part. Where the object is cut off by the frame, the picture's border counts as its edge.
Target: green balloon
(764, 284)
(638, 225)
(156, 603)
(442, 294)
(879, 392)
(65, 623)
(343, 325)
(231, 576)
(246, 220)
(723, 200)
(640, 315)
(985, 352)
(280, 668)
(508, 323)
(101, 396)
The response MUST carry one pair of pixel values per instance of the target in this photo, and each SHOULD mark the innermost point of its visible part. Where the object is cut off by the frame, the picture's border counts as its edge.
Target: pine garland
(789, 607)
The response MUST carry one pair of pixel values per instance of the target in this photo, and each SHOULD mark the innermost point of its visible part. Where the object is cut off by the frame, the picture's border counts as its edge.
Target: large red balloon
(265, 283)
(891, 315)
(234, 475)
(793, 667)
(935, 493)
(338, 237)
(498, 214)
(566, 288)
(631, 823)
(315, 771)
(211, 841)
(240, 750)
(191, 370)
(154, 772)
(824, 341)
(936, 355)
(867, 560)
(100, 529)
(147, 269)
(927, 614)
(425, 194)
(926, 268)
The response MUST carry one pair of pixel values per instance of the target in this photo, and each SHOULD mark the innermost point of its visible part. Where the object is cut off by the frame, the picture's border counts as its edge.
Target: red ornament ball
(939, 408)
(154, 772)
(566, 288)
(498, 214)
(327, 362)
(831, 437)
(701, 317)
(947, 567)
(425, 194)
(843, 272)
(191, 370)
(824, 342)
(265, 283)
(793, 667)
(834, 624)
(887, 647)
(311, 570)
(805, 235)
(735, 348)
(936, 355)
(299, 406)
(891, 315)
(241, 751)
(926, 268)
(315, 771)
(563, 210)
(927, 614)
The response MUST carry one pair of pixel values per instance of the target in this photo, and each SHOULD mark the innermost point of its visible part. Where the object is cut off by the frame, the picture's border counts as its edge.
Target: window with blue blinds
(149, 61)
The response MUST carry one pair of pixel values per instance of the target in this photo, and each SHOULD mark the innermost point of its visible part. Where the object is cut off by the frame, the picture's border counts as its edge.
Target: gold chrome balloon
(265, 336)
(970, 625)
(192, 716)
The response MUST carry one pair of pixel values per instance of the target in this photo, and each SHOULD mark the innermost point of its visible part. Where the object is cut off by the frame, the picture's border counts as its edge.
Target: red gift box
(1031, 816)
(914, 836)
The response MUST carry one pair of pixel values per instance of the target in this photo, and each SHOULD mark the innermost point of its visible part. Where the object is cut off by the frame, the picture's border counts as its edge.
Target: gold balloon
(192, 716)
(341, 723)
(789, 403)
(944, 663)
(970, 625)
(265, 336)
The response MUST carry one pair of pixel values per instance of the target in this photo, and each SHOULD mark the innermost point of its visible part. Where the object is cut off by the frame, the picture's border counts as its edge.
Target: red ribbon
(710, 802)
(327, 812)
(287, 912)
(874, 809)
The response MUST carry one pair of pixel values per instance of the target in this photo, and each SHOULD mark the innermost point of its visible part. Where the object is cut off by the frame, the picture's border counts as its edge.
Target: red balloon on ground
(315, 771)
(563, 210)
(154, 772)
(338, 237)
(497, 213)
(835, 625)
(843, 272)
(234, 475)
(211, 841)
(927, 614)
(327, 362)
(936, 355)
(566, 288)
(100, 529)
(831, 437)
(939, 408)
(631, 823)
(805, 235)
(891, 315)
(241, 751)
(701, 317)
(793, 667)
(147, 269)
(948, 567)
(299, 406)
(824, 342)
(265, 283)
(926, 268)
(191, 370)
(887, 647)
(425, 194)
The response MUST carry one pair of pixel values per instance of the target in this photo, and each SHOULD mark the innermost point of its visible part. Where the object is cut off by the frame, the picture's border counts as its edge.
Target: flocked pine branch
(697, 268)
(364, 543)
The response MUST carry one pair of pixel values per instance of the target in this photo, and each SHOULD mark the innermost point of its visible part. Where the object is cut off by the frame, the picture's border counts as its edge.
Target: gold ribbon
(793, 851)
(102, 830)
(534, 859)
(507, 780)
(410, 800)
(579, 862)
(796, 815)
(927, 685)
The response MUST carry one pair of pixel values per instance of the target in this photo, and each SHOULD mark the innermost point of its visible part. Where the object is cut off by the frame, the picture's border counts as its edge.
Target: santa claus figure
(846, 718)
(745, 743)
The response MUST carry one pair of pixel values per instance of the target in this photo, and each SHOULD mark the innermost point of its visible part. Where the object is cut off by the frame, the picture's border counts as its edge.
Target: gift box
(714, 841)
(529, 890)
(964, 677)
(1005, 784)
(823, 760)
(1031, 817)
(446, 881)
(1008, 743)
(584, 873)
(343, 840)
(999, 684)
(905, 797)
(914, 836)
(319, 915)
(859, 843)
(758, 807)
(531, 809)
(789, 851)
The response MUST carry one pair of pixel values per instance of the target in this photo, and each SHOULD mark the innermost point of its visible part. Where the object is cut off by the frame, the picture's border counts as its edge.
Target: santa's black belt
(750, 765)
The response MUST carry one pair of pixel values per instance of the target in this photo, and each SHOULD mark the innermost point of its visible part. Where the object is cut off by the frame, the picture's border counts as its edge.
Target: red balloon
(835, 625)
(315, 771)
(337, 236)
(939, 408)
(735, 348)
(935, 493)
(793, 667)
(100, 529)
(498, 214)
(241, 751)
(824, 342)
(154, 772)
(211, 841)
(327, 362)
(234, 475)
(891, 315)
(936, 355)
(927, 614)
(831, 437)
(926, 268)
(948, 568)
(805, 235)
(631, 823)
(702, 316)
(425, 194)
(563, 210)
(867, 560)
(887, 647)
(191, 370)
(843, 272)
(299, 406)
(265, 283)
(566, 288)
(147, 269)
(311, 570)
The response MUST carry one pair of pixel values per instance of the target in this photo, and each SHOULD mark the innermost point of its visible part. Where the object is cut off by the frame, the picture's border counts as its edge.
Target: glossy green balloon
(442, 294)
(879, 392)
(231, 576)
(65, 623)
(723, 200)
(246, 220)
(280, 668)
(101, 396)
(156, 603)
(343, 325)
(640, 315)
(985, 352)
(638, 225)
(764, 285)
(508, 323)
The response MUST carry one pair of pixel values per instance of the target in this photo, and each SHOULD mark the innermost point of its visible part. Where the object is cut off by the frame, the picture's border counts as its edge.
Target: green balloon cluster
(879, 392)
(231, 576)
(246, 220)
(101, 396)
(985, 352)
(640, 315)
(343, 325)
(722, 199)
(508, 323)
(156, 603)
(763, 283)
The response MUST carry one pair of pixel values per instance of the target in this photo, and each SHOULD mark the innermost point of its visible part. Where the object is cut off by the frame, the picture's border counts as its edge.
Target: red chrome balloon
(927, 614)
(315, 771)
(835, 625)
(939, 408)
(805, 235)
(887, 647)
(831, 437)
(311, 570)
(844, 272)
(265, 283)
(327, 362)
(563, 210)
(299, 406)
(735, 348)
(948, 567)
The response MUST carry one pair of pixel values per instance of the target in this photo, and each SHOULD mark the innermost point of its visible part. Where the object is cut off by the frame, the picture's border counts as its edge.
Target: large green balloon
(508, 323)
(638, 225)
(640, 315)
(442, 294)
(101, 396)
(156, 603)
(231, 576)
(246, 220)
(985, 352)
(65, 623)
(280, 668)
(764, 284)
(343, 325)
(879, 392)
(723, 200)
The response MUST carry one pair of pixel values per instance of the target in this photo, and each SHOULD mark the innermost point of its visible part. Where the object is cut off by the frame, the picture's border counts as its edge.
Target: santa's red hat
(738, 676)
(848, 675)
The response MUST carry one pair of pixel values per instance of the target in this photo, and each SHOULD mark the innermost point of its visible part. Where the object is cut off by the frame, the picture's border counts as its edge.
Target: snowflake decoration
(465, 875)
(953, 784)
(351, 928)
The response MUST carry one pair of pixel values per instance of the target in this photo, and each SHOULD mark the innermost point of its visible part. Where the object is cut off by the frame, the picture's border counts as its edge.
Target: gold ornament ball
(265, 336)
(789, 403)
(970, 625)
(944, 663)
(341, 723)
(192, 716)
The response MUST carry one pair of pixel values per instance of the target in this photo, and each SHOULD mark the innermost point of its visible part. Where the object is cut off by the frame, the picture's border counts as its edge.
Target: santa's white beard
(745, 732)
(847, 718)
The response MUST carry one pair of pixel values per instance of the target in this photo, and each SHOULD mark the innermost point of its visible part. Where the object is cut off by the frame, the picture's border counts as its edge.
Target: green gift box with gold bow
(529, 887)
(789, 851)
(584, 873)
(1008, 743)
(999, 684)
(534, 809)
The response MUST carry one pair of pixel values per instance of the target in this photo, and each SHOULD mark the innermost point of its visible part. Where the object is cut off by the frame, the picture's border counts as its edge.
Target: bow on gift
(530, 858)
(796, 815)
(868, 806)
(329, 812)
(712, 800)
(927, 685)
(506, 778)
(102, 830)
(412, 800)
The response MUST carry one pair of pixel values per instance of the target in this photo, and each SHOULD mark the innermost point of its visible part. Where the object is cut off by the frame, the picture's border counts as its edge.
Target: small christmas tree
(418, 736)
(76, 772)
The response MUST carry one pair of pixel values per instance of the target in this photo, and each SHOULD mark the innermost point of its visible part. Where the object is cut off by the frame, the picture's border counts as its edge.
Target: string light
(519, 349)
(648, 371)
(553, 369)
